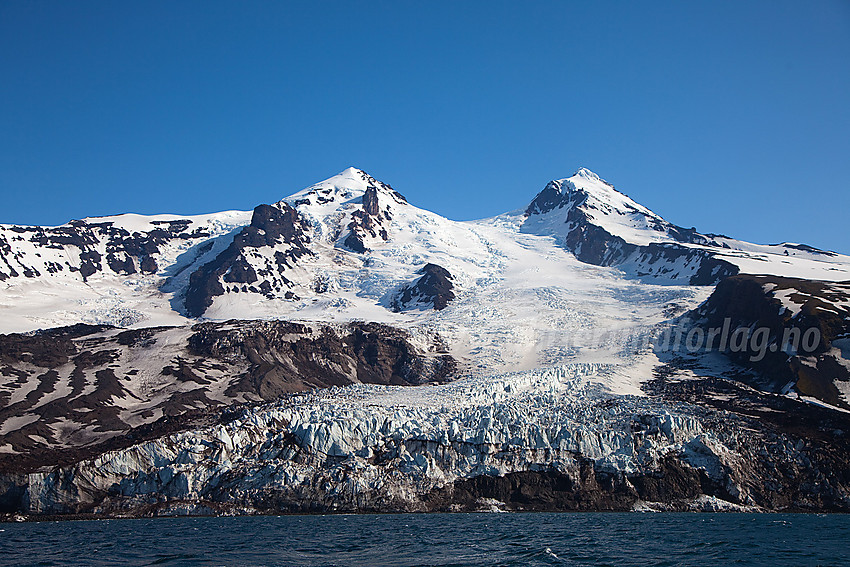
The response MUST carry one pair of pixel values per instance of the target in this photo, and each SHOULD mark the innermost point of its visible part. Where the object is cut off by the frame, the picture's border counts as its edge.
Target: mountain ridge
(348, 248)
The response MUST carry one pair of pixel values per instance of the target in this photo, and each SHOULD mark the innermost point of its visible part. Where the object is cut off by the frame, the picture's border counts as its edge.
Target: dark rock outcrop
(371, 221)
(793, 455)
(288, 357)
(594, 245)
(433, 288)
(278, 227)
(547, 200)
(782, 357)
(590, 490)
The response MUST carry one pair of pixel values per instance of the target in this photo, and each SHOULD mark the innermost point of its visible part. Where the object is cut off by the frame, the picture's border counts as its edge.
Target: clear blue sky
(733, 117)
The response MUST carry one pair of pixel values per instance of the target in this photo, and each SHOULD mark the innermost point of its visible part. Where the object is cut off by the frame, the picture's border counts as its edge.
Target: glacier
(372, 447)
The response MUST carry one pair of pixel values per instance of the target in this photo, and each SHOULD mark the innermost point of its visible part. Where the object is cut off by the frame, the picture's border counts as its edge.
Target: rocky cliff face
(795, 333)
(369, 222)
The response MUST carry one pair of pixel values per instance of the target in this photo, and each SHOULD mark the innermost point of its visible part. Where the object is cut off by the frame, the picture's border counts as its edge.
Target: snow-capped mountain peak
(603, 195)
(587, 174)
(351, 172)
(585, 198)
(602, 226)
(348, 185)
(351, 235)
(349, 210)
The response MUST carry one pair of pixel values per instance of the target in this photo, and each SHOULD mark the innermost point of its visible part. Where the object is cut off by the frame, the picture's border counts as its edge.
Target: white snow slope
(522, 300)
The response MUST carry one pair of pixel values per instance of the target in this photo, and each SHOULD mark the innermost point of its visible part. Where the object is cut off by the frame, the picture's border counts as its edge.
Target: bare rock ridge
(548, 199)
(277, 226)
(368, 353)
(371, 221)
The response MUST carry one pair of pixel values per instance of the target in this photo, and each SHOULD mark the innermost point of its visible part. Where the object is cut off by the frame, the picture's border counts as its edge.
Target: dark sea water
(436, 539)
